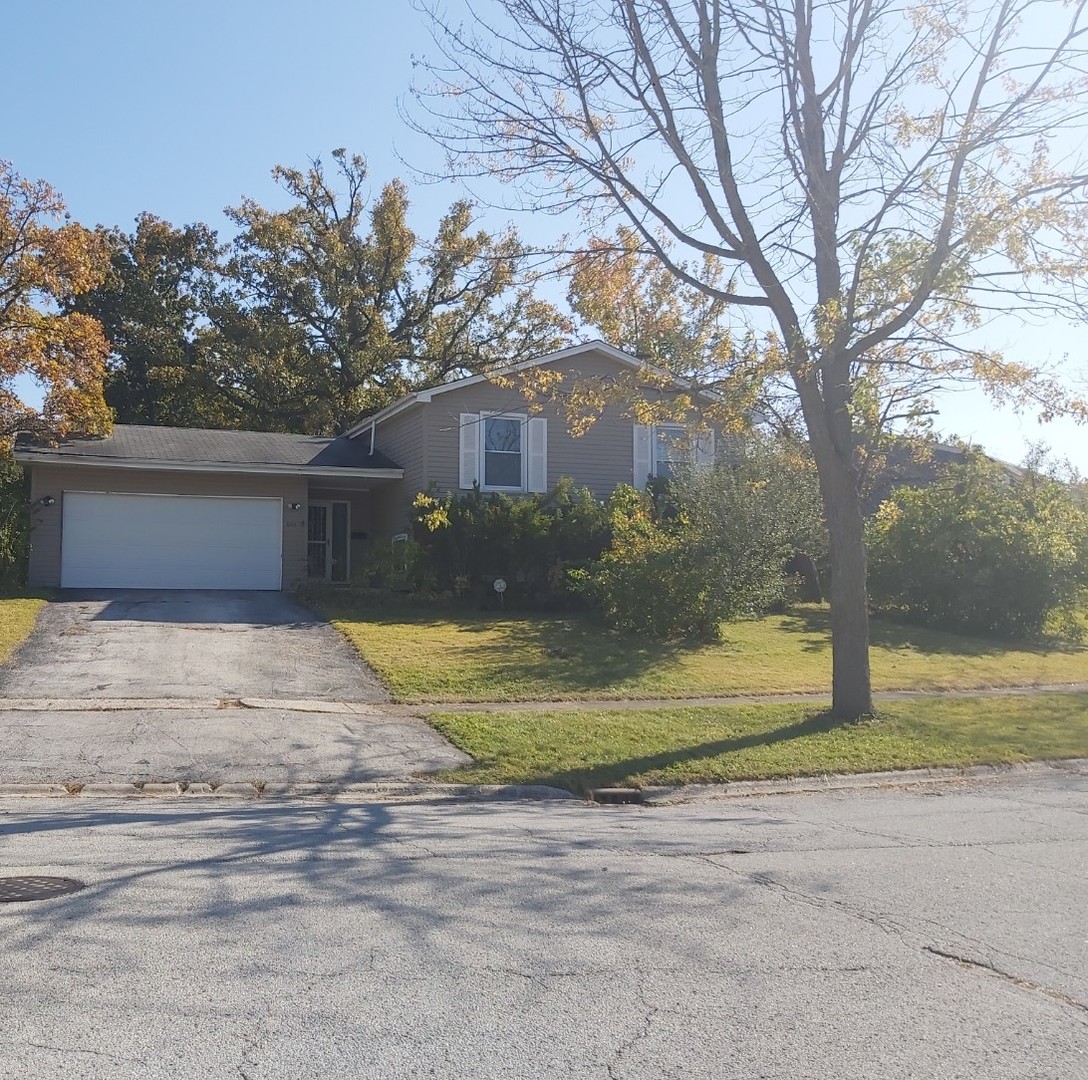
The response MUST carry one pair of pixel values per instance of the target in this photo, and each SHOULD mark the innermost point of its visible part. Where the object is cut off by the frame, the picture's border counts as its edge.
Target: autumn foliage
(45, 261)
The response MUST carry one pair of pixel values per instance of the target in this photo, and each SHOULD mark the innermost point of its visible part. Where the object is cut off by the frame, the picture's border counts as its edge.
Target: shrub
(14, 524)
(710, 546)
(983, 552)
(469, 539)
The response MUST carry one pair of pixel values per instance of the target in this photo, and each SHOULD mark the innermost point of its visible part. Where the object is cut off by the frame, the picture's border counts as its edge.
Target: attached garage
(187, 508)
(135, 541)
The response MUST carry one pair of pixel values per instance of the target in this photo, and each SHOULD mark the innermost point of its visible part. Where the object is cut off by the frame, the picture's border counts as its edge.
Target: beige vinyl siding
(403, 439)
(600, 459)
(54, 480)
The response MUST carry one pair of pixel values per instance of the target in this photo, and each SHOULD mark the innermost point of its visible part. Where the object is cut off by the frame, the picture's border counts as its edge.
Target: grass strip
(703, 744)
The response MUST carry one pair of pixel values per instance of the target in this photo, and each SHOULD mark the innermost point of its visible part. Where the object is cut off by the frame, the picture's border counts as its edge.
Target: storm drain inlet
(19, 890)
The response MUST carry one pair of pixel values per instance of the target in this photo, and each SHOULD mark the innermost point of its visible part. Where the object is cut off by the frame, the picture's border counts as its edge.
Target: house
(165, 508)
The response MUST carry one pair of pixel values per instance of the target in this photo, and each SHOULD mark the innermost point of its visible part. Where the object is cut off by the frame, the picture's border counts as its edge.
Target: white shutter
(537, 432)
(704, 448)
(469, 472)
(644, 459)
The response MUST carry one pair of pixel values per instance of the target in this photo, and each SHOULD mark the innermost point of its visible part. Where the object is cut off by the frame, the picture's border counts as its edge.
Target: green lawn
(18, 613)
(437, 655)
(581, 750)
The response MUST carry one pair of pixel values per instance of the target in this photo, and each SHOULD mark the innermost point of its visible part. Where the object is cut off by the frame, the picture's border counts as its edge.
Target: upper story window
(671, 448)
(661, 449)
(503, 452)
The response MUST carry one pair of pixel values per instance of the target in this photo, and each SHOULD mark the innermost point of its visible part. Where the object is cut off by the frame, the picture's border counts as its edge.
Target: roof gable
(597, 347)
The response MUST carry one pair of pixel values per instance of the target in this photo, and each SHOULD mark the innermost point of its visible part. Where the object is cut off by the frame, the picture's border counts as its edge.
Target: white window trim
(654, 429)
(524, 453)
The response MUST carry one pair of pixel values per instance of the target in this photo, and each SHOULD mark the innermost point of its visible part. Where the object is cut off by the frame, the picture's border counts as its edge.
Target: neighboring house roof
(601, 348)
(205, 450)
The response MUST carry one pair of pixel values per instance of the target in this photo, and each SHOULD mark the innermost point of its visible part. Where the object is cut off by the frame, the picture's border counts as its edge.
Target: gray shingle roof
(198, 445)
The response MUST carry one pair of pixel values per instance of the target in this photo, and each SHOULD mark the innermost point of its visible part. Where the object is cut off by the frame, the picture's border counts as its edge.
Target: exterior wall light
(47, 500)
(294, 506)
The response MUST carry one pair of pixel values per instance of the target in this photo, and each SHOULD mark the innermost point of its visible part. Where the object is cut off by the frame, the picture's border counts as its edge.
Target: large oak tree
(879, 179)
(334, 307)
(152, 306)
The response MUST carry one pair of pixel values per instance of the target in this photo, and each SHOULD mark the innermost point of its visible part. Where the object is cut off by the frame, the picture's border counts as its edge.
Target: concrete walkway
(629, 704)
(215, 745)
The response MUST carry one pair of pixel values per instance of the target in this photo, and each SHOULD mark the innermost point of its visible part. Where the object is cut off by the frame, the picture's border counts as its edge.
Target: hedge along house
(180, 508)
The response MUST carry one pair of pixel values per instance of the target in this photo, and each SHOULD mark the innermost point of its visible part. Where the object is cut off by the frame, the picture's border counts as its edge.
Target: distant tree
(152, 306)
(45, 261)
(334, 307)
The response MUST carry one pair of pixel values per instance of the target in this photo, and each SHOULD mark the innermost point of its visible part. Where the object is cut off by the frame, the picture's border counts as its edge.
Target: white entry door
(121, 541)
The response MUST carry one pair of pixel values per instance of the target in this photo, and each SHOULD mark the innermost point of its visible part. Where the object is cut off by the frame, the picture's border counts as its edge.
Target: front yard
(581, 750)
(442, 656)
(18, 613)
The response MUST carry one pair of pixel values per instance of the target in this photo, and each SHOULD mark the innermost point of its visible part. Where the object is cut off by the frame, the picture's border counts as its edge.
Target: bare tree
(880, 177)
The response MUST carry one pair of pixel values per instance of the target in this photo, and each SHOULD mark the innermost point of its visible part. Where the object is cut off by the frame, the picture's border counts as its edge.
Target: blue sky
(181, 108)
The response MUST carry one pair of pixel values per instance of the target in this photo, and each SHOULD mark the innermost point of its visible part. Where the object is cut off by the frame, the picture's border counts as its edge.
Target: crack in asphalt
(1016, 980)
(910, 937)
(92, 1053)
(650, 1011)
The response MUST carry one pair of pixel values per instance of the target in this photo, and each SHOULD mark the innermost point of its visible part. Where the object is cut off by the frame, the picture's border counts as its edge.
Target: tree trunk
(831, 439)
(852, 694)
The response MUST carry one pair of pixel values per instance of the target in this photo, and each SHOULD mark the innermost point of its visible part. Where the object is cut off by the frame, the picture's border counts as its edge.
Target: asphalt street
(933, 932)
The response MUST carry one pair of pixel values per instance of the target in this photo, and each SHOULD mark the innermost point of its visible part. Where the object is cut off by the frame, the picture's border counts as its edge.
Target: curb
(267, 792)
(814, 785)
(650, 796)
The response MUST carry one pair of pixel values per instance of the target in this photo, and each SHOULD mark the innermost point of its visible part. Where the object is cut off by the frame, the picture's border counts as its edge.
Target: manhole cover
(15, 890)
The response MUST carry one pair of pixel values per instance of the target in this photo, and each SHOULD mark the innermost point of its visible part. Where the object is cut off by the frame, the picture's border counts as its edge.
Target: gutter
(143, 464)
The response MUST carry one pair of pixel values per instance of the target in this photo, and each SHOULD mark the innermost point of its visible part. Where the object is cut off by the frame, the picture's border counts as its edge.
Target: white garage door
(114, 541)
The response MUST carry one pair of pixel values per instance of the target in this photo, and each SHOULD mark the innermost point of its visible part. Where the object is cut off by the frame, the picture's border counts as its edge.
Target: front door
(327, 544)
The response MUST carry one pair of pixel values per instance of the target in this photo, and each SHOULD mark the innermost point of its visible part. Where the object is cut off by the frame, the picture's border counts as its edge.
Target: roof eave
(251, 468)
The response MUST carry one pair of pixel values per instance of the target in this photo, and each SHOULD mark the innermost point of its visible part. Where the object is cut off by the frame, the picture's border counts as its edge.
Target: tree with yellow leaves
(881, 180)
(45, 261)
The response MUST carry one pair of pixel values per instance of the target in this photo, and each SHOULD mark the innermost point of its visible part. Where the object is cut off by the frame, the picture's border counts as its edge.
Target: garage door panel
(170, 542)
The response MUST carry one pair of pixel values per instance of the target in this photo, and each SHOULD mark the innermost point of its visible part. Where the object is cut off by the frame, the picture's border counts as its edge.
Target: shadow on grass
(608, 774)
(25, 592)
(886, 633)
(562, 654)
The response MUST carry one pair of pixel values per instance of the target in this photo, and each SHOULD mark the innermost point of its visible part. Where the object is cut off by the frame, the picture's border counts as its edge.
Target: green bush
(462, 542)
(14, 524)
(983, 551)
(709, 547)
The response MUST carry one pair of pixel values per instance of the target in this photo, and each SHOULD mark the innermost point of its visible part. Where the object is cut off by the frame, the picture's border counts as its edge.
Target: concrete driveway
(135, 686)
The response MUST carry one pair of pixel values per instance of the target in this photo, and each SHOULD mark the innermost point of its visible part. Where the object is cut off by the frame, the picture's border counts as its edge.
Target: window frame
(654, 459)
(523, 452)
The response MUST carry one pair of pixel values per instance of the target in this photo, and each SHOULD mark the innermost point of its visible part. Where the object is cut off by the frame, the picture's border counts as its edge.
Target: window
(671, 448)
(503, 451)
(660, 449)
(503, 457)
